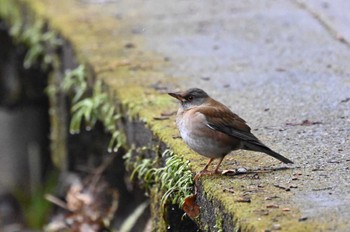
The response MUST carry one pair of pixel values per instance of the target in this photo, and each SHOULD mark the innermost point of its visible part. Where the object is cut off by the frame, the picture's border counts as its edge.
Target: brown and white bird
(212, 130)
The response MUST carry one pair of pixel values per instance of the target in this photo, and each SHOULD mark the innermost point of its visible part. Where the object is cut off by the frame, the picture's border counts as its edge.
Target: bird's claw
(205, 173)
(201, 173)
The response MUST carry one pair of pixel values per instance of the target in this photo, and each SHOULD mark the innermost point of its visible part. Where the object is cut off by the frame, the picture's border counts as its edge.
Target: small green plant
(40, 44)
(145, 172)
(11, 14)
(75, 83)
(88, 109)
(175, 178)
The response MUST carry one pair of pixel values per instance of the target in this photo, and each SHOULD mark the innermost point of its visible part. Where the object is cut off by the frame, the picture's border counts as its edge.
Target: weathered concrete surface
(332, 15)
(272, 62)
(282, 66)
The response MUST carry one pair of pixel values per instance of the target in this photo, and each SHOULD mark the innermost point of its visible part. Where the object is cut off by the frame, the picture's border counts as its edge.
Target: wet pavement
(281, 65)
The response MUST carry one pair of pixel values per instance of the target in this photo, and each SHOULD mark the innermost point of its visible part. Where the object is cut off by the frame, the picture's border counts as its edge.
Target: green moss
(218, 222)
(57, 131)
(157, 210)
(247, 216)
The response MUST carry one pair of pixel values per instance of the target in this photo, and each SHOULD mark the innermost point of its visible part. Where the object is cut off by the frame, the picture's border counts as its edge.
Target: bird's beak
(178, 96)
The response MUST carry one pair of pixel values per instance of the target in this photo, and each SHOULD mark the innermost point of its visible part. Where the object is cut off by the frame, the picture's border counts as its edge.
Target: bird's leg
(204, 171)
(216, 171)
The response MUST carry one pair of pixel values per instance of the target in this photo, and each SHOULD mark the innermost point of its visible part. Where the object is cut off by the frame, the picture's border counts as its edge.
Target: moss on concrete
(58, 133)
(218, 222)
(157, 210)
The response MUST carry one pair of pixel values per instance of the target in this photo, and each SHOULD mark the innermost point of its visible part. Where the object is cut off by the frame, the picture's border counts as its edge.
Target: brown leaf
(272, 206)
(190, 206)
(161, 117)
(230, 190)
(282, 187)
(243, 199)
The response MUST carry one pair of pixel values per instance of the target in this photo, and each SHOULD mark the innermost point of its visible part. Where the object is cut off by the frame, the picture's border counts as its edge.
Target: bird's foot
(202, 173)
(205, 173)
(199, 174)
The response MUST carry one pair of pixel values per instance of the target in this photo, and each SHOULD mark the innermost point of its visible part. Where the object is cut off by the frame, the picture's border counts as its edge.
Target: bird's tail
(260, 147)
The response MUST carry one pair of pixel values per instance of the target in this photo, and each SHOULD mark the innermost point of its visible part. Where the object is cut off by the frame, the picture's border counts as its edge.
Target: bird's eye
(190, 98)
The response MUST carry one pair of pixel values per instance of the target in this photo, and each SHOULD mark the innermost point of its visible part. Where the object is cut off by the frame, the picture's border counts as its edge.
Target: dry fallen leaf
(272, 206)
(243, 199)
(161, 117)
(90, 204)
(230, 190)
(190, 206)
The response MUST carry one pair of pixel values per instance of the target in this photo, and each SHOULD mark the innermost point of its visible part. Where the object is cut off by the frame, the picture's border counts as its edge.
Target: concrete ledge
(118, 42)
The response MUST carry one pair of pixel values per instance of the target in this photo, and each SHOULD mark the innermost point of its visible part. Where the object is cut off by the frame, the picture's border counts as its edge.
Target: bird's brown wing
(225, 121)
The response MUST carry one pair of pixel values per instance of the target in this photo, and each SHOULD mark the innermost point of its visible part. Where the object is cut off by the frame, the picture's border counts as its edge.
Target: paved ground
(281, 65)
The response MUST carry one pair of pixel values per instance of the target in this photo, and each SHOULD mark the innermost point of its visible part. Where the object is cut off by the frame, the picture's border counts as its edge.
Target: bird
(212, 130)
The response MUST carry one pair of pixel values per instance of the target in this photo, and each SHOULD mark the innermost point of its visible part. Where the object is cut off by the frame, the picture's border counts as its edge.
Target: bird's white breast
(198, 136)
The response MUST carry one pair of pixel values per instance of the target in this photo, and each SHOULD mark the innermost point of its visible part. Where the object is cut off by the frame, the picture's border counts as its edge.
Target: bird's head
(191, 97)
